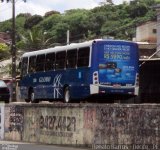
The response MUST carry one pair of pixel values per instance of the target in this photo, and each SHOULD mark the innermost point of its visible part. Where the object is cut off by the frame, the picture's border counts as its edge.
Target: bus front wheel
(67, 97)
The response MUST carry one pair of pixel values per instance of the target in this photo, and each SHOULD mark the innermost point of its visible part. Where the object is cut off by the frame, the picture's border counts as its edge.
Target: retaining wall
(82, 123)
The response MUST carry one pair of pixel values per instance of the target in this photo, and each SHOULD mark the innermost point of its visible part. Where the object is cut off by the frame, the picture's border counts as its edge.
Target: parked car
(4, 92)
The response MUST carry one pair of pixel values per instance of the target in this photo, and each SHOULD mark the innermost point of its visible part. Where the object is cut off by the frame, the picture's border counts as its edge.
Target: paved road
(9, 145)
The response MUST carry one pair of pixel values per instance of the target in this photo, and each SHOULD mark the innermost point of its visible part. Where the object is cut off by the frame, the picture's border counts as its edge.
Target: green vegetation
(4, 51)
(107, 20)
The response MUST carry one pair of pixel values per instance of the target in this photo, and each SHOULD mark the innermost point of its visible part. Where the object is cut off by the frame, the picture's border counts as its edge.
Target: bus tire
(27, 100)
(32, 97)
(7, 101)
(67, 97)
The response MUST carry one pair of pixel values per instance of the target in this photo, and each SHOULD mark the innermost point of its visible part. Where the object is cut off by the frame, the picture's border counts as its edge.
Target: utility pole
(68, 33)
(13, 51)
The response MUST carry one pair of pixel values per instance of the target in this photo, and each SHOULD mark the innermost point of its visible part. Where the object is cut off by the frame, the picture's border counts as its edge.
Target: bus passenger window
(40, 62)
(24, 66)
(72, 58)
(60, 60)
(50, 60)
(32, 64)
(83, 57)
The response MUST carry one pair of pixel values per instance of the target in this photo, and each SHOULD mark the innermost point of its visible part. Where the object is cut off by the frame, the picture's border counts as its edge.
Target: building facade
(5, 38)
(146, 37)
(147, 32)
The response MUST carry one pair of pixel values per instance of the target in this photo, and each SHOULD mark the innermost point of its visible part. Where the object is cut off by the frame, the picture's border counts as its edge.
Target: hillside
(107, 20)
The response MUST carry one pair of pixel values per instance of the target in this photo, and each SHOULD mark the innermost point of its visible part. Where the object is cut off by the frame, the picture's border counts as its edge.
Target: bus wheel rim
(32, 96)
(67, 96)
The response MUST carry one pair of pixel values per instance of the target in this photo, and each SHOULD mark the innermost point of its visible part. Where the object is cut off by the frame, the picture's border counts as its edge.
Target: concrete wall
(83, 123)
(1, 121)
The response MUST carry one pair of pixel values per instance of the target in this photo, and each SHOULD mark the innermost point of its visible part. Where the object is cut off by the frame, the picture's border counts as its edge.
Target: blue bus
(80, 70)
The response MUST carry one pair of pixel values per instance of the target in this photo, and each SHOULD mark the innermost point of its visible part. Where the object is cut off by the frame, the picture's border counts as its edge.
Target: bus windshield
(117, 63)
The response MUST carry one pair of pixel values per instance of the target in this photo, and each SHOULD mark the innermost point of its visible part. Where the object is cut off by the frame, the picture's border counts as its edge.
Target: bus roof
(67, 47)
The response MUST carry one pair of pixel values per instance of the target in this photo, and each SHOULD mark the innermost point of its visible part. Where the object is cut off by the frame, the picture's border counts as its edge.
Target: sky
(40, 7)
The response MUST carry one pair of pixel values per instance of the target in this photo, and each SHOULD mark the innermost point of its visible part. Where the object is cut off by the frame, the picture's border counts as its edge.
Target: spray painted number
(58, 123)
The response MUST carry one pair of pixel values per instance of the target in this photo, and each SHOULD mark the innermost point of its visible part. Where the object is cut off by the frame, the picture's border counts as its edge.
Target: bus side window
(60, 60)
(71, 58)
(50, 61)
(40, 62)
(32, 64)
(24, 65)
(83, 57)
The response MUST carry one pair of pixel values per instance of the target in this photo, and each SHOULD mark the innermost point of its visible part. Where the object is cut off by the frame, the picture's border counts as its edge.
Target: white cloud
(62, 5)
(42, 6)
(32, 8)
(5, 11)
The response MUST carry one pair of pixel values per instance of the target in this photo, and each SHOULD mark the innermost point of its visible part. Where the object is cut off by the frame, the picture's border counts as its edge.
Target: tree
(32, 21)
(49, 13)
(49, 22)
(116, 20)
(59, 32)
(26, 15)
(78, 23)
(97, 17)
(110, 28)
(35, 39)
(4, 51)
(6, 26)
(137, 8)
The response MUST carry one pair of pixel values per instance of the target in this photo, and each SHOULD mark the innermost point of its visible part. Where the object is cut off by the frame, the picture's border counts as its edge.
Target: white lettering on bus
(34, 80)
(125, 48)
(44, 79)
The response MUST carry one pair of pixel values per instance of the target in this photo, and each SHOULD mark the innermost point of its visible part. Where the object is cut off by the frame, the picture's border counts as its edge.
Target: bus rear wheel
(67, 97)
(32, 97)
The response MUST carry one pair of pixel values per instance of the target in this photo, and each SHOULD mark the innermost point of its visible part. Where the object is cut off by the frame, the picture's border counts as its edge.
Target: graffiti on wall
(16, 119)
(127, 125)
(31, 124)
(89, 118)
(60, 126)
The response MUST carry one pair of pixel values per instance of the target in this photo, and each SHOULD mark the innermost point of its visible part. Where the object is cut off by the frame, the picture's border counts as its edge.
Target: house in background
(5, 38)
(146, 37)
(147, 32)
